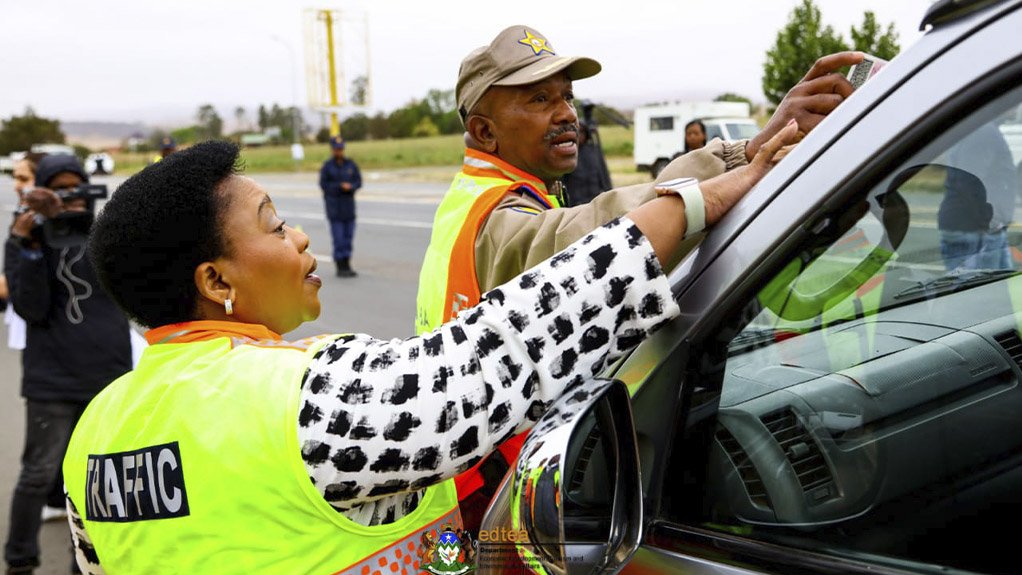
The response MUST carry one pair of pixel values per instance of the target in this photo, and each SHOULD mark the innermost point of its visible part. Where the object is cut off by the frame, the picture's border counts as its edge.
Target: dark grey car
(841, 393)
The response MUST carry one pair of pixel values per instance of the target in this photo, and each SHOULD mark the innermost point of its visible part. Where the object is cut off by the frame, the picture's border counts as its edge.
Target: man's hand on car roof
(816, 95)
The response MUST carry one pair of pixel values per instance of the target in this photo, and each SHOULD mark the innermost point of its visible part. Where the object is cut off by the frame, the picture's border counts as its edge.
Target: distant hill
(97, 135)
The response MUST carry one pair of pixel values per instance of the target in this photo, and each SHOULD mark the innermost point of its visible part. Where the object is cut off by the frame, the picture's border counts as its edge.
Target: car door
(842, 392)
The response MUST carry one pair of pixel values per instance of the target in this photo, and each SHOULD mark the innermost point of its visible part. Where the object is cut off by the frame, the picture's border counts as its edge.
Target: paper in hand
(865, 70)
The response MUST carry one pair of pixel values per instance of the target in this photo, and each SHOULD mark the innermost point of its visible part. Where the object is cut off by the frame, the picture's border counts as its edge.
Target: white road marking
(360, 221)
(396, 223)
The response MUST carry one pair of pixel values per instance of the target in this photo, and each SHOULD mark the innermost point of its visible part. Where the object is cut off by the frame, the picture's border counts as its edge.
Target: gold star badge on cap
(537, 43)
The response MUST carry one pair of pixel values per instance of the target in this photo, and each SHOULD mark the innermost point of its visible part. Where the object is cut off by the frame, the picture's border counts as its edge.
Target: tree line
(805, 38)
(798, 44)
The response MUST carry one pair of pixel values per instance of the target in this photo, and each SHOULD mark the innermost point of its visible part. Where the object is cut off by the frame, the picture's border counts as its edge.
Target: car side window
(870, 404)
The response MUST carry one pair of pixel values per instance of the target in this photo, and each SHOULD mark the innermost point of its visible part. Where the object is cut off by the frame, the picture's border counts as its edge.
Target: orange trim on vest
(239, 334)
(501, 169)
(462, 281)
(462, 293)
(205, 330)
(405, 553)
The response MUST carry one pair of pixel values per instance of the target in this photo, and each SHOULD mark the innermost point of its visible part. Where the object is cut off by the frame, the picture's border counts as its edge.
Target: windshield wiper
(954, 281)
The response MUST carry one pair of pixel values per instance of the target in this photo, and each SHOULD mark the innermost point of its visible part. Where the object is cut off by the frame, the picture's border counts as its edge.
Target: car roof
(944, 11)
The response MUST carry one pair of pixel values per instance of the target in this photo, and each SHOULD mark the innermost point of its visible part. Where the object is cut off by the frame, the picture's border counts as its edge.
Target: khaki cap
(519, 55)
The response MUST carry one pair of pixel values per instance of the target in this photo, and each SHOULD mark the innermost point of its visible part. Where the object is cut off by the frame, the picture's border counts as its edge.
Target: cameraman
(77, 339)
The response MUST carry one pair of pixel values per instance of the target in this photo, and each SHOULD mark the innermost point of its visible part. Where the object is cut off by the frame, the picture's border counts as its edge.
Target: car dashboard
(823, 427)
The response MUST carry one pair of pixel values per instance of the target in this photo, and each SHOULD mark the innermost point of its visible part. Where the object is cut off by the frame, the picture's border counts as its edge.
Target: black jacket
(75, 345)
(590, 178)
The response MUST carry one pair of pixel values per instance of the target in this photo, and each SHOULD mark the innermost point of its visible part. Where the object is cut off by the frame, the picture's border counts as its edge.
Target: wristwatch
(695, 208)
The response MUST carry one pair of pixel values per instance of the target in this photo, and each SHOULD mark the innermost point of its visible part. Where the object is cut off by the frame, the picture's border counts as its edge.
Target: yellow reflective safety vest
(191, 464)
(448, 282)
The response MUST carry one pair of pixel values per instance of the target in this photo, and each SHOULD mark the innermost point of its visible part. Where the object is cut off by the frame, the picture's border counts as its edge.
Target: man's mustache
(573, 128)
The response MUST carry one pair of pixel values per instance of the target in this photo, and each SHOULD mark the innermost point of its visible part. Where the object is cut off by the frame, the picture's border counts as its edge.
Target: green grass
(379, 154)
(617, 141)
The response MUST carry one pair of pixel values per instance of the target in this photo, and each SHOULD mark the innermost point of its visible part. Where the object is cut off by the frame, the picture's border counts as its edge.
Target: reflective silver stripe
(485, 165)
(478, 163)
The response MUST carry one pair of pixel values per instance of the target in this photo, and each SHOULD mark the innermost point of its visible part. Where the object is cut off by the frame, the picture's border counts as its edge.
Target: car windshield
(942, 225)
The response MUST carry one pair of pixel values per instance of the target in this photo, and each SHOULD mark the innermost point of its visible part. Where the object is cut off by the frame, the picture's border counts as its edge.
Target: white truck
(660, 129)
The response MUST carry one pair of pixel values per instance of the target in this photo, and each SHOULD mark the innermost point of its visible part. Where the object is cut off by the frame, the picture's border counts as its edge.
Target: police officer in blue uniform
(339, 179)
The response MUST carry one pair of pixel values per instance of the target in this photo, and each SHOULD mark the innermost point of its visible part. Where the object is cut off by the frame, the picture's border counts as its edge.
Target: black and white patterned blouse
(382, 420)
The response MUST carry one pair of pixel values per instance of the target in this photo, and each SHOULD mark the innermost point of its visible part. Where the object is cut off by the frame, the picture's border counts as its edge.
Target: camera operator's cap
(53, 164)
(167, 143)
(337, 143)
(519, 55)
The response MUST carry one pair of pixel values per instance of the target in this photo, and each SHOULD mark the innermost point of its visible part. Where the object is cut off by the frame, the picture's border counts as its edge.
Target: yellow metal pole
(335, 126)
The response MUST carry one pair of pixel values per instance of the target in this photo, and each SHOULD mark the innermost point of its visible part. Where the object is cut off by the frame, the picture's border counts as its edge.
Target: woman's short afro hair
(158, 227)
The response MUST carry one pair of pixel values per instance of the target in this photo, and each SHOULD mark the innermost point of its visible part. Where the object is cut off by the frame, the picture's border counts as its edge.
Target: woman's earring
(228, 307)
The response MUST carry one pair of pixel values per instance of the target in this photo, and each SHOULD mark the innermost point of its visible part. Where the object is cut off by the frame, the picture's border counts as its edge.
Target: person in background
(167, 147)
(77, 342)
(24, 175)
(24, 182)
(339, 179)
(695, 135)
(985, 180)
(591, 176)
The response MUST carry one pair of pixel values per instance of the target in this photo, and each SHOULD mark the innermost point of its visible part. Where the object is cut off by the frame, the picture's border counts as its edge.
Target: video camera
(89, 192)
(68, 228)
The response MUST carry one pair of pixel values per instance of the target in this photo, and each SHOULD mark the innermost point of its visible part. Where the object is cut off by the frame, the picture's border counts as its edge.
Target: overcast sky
(127, 60)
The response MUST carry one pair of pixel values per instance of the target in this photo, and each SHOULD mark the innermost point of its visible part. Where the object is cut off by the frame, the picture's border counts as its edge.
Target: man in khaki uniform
(502, 214)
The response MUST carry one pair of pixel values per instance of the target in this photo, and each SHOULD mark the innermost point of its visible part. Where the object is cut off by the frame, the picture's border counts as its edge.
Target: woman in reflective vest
(230, 450)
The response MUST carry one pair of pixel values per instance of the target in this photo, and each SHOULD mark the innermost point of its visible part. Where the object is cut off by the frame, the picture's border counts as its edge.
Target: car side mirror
(575, 493)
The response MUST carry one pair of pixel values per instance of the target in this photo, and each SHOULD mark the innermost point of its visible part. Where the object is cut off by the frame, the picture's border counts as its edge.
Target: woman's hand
(723, 192)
